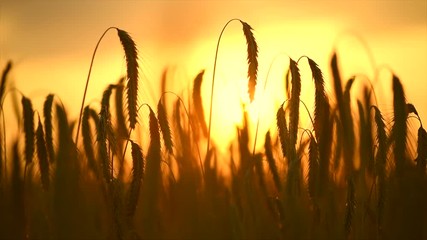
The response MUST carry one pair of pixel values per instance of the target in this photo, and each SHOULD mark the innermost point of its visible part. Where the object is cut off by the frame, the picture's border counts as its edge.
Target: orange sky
(51, 44)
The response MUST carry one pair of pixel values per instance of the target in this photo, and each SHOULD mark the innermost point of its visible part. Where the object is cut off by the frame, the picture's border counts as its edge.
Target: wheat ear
(27, 108)
(87, 137)
(131, 54)
(42, 156)
(399, 128)
(137, 177)
(380, 166)
(294, 102)
(272, 162)
(48, 126)
(321, 109)
(197, 102)
(283, 130)
(164, 127)
(6, 71)
(252, 59)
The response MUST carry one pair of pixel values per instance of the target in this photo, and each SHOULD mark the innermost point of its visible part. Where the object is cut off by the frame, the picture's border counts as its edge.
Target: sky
(51, 45)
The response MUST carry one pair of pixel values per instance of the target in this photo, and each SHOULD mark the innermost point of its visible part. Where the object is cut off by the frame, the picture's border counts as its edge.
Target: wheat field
(355, 173)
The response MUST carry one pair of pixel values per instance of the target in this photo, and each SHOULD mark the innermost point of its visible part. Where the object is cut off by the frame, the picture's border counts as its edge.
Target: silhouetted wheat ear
(272, 162)
(350, 207)
(197, 101)
(399, 127)
(380, 159)
(4, 78)
(321, 109)
(27, 109)
(105, 102)
(294, 102)
(154, 129)
(137, 177)
(283, 130)
(42, 156)
(422, 149)
(131, 54)
(102, 143)
(120, 116)
(87, 138)
(337, 82)
(48, 126)
(164, 127)
(252, 59)
(313, 168)
(410, 108)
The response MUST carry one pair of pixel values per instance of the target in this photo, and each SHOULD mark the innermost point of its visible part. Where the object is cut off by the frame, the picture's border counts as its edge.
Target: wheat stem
(87, 83)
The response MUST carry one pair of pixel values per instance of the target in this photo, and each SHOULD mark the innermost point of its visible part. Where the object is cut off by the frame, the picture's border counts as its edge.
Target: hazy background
(51, 44)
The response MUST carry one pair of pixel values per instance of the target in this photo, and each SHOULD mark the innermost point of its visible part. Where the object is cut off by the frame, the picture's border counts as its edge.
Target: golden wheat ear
(272, 162)
(87, 138)
(4, 78)
(137, 177)
(42, 156)
(27, 109)
(294, 102)
(48, 126)
(321, 109)
(380, 164)
(399, 127)
(197, 101)
(252, 58)
(283, 130)
(422, 149)
(131, 54)
(164, 127)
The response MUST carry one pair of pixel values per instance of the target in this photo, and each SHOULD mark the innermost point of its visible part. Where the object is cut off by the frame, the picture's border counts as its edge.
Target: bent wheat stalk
(252, 66)
(131, 55)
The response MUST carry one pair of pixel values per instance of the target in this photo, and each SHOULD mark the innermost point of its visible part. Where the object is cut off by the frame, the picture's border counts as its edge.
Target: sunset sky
(51, 44)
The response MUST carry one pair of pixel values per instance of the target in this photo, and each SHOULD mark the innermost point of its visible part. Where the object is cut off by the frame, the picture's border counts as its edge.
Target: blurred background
(51, 45)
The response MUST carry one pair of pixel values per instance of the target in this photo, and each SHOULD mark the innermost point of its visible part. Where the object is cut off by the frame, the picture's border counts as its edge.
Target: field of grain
(354, 173)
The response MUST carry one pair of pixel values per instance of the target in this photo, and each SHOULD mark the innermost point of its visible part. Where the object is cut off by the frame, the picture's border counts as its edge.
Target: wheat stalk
(350, 207)
(131, 55)
(252, 51)
(313, 168)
